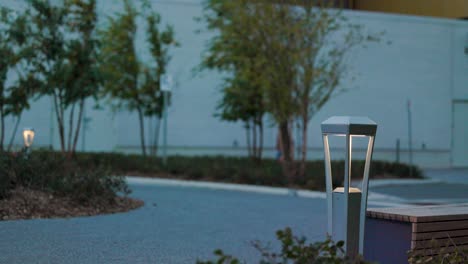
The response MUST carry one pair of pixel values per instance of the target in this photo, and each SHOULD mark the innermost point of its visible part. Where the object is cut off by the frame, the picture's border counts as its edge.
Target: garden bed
(31, 204)
(49, 185)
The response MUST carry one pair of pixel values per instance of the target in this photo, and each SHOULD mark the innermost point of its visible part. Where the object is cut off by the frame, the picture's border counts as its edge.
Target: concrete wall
(425, 63)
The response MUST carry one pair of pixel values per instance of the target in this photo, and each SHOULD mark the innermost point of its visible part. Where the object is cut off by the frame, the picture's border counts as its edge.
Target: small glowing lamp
(28, 136)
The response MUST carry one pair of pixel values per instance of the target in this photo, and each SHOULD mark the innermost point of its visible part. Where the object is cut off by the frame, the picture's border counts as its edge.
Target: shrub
(5, 180)
(294, 250)
(297, 250)
(52, 172)
(439, 254)
(232, 169)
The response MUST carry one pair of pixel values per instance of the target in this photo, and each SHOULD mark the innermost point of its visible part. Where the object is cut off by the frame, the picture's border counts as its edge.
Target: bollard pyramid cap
(349, 125)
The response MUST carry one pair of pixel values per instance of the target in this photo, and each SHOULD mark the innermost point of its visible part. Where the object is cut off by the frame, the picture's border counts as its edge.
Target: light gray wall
(424, 63)
(460, 61)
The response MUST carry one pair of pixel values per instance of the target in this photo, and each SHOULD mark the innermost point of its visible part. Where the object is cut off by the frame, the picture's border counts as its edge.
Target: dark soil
(31, 204)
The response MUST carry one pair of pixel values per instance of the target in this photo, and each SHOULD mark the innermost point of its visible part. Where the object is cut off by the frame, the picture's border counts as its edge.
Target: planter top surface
(421, 213)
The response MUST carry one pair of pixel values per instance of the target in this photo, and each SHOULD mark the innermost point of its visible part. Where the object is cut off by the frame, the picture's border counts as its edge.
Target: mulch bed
(31, 204)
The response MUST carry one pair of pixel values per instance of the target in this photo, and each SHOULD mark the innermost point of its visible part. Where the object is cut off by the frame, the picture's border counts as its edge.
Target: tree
(241, 102)
(233, 51)
(66, 47)
(253, 46)
(130, 83)
(326, 37)
(160, 44)
(14, 51)
(299, 52)
(84, 78)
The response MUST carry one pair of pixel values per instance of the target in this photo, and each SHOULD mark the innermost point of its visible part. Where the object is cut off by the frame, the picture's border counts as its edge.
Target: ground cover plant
(31, 185)
(293, 250)
(235, 169)
(297, 250)
(439, 253)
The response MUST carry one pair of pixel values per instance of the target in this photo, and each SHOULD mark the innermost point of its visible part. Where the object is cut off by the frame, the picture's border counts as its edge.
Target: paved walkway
(177, 225)
(443, 186)
(448, 175)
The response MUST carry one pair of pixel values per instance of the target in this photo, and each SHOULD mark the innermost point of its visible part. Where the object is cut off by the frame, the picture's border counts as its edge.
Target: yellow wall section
(435, 8)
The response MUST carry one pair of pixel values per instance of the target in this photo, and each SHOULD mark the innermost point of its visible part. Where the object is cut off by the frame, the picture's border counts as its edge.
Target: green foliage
(234, 169)
(439, 254)
(294, 250)
(119, 164)
(234, 51)
(52, 172)
(14, 51)
(222, 258)
(284, 59)
(119, 58)
(5, 181)
(130, 83)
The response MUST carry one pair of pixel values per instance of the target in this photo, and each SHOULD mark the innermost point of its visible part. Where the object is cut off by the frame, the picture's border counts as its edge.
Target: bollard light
(28, 136)
(346, 206)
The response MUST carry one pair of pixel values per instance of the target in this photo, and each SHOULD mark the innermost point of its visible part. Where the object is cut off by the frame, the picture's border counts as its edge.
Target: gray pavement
(430, 193)
(448, 175)
(444, 186)
(176, 225)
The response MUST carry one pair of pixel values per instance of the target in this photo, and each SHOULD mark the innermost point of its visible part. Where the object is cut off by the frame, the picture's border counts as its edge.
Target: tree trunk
(78, 126)
(260, 148)
(303, 147)
(150, 136)
(247, 130)
(62, 135)
(254, 139)
(13, 135)
(70, 129)
(59, 116)
(142, 131)
(286, 145)
(2, 128)
(156, 136)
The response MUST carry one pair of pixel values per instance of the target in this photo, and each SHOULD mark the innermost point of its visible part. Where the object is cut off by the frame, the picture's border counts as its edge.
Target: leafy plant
(294, 250)
(54, 173)
(438, 254)
(6, 183)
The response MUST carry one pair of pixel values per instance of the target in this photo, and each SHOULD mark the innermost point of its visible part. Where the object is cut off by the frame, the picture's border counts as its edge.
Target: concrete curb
(225, 186)
(375, 199)
(389, 182)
